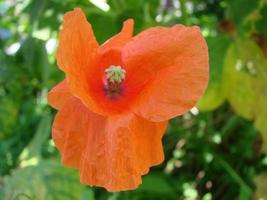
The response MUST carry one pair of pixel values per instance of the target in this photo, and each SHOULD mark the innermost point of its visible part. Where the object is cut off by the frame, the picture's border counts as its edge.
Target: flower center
(114, 78)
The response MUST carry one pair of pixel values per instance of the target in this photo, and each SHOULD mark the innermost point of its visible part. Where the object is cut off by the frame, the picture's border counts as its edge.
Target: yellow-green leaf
(47, 180)
(237, 81)
(261, 189)
(214, 96)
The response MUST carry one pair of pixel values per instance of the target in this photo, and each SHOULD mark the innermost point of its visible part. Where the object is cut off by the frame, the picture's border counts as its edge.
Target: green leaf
(9, 108)
(8, 116)
(36, 10)
(41, 135)
(257, 68)
(104, 26)
(260, 87)
(239, 9)
(46, 181)
(156, 183)
(214, 96)
(237, 80)
(261, 189)
(235, 176)
(261, 124)
(88, 194)
(262, 23)
(35, 58)
(243, 195)
(245, 80)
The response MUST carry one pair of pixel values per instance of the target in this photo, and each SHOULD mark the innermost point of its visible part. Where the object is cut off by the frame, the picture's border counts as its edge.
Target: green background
(215, 151)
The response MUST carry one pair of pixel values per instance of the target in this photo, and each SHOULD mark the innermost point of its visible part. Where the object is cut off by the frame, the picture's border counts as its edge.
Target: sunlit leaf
(245, 81)
(261, 182)
(237, 81)
(46, 181)
(260, 87)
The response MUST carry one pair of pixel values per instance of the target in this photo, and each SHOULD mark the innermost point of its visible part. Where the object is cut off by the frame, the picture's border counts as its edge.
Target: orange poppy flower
(114, 106)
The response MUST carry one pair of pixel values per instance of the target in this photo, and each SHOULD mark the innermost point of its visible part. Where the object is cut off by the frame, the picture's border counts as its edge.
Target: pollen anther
(114, 78)
(115, 73)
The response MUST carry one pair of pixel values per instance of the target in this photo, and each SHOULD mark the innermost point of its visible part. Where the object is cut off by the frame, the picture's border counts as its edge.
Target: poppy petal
(109, 152)
(171, 64)
(70, 130)
(110, 54)
(76, 54)
(59, 95)
(121, 38)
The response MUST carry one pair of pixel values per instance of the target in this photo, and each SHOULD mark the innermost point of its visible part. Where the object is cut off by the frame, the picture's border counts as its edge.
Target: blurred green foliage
(215, 151)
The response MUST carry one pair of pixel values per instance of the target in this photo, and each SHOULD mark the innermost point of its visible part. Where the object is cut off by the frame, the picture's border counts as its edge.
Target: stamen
(115, 73)
(114, 77)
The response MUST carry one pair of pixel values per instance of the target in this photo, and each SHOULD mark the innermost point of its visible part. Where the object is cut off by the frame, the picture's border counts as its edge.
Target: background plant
(215, 151)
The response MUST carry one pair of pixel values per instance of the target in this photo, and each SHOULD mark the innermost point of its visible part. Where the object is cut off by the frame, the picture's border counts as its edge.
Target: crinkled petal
(109, 152)
(110, 54)
(71, 128)
(76, 55)
(170, 67)
(59, 95)
(120, 39)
